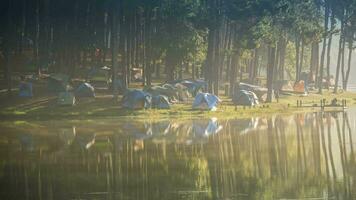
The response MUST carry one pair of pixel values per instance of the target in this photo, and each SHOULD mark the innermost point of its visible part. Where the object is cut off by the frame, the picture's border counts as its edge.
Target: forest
(221, 41)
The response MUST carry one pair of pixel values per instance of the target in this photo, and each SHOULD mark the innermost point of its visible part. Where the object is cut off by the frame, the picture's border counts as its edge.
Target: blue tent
(160, 102)
(85, 90)
(194, 86)
(205, 101)
(245, 98)
(136, 99)
(25, 89)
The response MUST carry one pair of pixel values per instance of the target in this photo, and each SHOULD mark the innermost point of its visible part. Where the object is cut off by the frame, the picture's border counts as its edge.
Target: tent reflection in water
(206, 101)
(205, 130)
(136, 99)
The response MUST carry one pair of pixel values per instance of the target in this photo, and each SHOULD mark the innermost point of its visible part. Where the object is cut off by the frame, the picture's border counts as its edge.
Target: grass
(105, 107)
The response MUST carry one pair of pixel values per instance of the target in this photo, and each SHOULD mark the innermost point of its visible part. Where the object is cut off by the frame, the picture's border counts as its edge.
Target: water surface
(302, 156)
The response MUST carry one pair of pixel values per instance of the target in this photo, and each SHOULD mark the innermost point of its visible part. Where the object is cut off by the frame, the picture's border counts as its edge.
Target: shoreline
(103, 107)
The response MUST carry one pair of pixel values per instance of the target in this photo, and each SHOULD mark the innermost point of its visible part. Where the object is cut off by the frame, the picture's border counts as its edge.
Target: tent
(194, 86)
(99, 74)
(99, 77)
(136, 99)
(299, 87)
(206, 101)
(58, 82)
(85, 90)
(245, 98)
(183, 93)
(261, 92)
(166, 90)
(66, 99)
(25, 89)
(160, 102)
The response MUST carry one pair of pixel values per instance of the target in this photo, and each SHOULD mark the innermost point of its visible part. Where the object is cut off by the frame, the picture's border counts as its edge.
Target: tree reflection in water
(301, 156)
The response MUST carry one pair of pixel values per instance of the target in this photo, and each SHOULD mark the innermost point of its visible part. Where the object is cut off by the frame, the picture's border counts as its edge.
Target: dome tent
(206, 101)
(136, 99)
(160, 102)
(85, 90)
(245, 98)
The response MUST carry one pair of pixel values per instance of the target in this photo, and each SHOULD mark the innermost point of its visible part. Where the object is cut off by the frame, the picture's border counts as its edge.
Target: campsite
(177, 100)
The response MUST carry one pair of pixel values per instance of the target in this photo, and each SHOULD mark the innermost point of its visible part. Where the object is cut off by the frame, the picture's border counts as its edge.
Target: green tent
(58, 83)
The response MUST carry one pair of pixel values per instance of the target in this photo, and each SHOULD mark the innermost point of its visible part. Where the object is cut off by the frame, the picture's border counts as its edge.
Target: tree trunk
(297, 56)
(210, 60)
(282, 57)
(233, 73)
(270, 72)
(343, 75)
(252, 71)
(37, 38)
(322, 59)
(339, 54)
(301, 61)
(329, 50)
(7, 50)
(114, 51)
(348, 64)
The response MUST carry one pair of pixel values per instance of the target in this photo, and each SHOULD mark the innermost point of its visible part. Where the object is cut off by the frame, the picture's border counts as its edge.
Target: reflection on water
(284, 157)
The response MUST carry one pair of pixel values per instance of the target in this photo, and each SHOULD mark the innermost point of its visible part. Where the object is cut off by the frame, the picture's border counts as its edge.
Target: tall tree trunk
(276, 60)
(339, 54)
(23, 27)
(114, 50)
(329, 49)
(297, 57)
(348, 65)
(270, 72)
(313, 67)
(322, 59)
(217, 62)
(301, 61)
(282, 56)
(343, 75)
(37, 38)
(208, 66)
(229, 48)
(233, 73)
(7, 50)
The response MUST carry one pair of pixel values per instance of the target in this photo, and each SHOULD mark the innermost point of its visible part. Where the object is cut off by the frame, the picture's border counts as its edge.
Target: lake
(301, 156)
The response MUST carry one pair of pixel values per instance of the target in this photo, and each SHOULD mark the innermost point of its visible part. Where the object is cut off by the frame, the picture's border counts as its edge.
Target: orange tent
(299, 87)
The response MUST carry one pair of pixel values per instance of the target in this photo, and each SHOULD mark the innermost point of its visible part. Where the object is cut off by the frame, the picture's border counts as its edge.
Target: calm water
(304, 156)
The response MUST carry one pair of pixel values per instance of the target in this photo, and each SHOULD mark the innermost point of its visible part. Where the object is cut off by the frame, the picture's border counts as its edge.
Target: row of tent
(59, 84)
(139, 99)
(160, 97)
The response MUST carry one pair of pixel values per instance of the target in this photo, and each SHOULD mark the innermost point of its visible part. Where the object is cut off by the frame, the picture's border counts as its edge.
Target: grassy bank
(104, 107)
